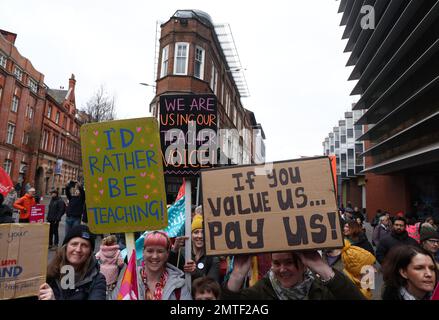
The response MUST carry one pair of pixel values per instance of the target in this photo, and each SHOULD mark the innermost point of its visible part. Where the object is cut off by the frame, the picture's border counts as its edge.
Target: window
(213, 79)
(49, 111)
(343, 139)
(8, 166)
(15, 102)
(1, 92)
(33, 85)
(199, 63)
(350, 133)
(10, 135)
(57, 117)
(25, 139)
(44, 140)
(165, 58)
(181, 58)
(3, 60)
(18, 73)
(31, 112)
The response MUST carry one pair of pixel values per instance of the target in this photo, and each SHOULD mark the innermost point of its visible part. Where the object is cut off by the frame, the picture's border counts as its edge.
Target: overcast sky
(292, 50)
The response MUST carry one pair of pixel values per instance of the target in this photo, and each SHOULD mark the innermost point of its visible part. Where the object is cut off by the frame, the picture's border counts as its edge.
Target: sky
(292, 52)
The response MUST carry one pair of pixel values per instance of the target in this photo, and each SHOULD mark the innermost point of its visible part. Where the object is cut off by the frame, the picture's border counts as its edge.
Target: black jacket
(76, 205)
(5, 214)
(392, 240)
(362, 242)
(340, 288)
(210, 265)
(57, 208)
(92, 287)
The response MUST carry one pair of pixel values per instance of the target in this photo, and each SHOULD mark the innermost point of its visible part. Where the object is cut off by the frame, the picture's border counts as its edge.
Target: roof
(58, 95)
(196, 14)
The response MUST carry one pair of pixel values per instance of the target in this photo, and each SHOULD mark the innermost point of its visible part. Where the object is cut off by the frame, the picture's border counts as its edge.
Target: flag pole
(131, 249)
(188, 242)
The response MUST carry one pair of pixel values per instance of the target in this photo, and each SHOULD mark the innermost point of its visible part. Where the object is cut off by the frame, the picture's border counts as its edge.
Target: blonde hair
(110, 240)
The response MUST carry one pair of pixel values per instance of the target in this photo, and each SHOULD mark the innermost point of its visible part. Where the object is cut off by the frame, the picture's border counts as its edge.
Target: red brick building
(28, 136)
(198, 57)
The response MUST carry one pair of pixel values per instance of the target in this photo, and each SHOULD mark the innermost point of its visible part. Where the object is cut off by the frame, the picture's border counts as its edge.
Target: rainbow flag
(128, 289)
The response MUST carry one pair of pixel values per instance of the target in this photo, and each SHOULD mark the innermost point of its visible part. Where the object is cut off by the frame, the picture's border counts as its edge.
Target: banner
(123, 170)
(291, 207)
(6, 184)
(23, 259)
(187, 147)
(37, 213)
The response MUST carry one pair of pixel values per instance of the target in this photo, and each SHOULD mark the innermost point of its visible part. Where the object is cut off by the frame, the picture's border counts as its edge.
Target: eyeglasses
(431, 241)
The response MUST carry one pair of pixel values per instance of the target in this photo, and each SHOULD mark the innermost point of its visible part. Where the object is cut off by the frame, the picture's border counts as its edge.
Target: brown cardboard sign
(290, 207)
(23, 259)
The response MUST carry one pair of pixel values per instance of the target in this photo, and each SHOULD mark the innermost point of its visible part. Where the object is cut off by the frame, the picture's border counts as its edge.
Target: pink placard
(37, 213)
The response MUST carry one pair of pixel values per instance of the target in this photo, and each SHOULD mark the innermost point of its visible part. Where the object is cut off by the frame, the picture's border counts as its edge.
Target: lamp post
(67, 134)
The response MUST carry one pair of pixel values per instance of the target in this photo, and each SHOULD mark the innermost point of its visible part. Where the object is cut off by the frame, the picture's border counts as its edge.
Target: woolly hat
(81, 231)
(428, 233)
(197, 222)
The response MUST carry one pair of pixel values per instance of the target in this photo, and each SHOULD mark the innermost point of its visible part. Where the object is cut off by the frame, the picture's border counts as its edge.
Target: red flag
(5, 182)
(181, 191)
(128, 288)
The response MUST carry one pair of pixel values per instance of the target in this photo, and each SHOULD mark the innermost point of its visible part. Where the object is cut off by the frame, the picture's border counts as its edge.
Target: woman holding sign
(157, 279)
(293, 276)
(74, 273)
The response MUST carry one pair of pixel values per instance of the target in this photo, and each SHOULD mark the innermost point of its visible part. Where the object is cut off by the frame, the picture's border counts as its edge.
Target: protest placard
(123, 170)
(188, 132)
(292, 207)
(37, 213)
(23, 259)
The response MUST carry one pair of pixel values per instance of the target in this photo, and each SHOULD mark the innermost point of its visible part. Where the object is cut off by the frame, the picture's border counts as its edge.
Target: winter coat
(76, 205)
(362, 242)
(92, 287)
(110, 262)
(57, 208)
(175, 281)
(210, 265)
(379, 233)
(5, 214)
(24, 204)
(340, 288)
(391, 241)
(354, 259)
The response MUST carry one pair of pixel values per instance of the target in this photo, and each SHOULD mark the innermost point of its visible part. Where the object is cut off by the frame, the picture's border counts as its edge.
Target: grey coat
(175, 280)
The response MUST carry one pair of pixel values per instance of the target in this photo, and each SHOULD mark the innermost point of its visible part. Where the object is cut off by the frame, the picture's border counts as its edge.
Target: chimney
(72, 82)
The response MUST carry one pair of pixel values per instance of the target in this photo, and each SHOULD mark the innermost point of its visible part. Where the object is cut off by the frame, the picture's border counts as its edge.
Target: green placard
(123, 170)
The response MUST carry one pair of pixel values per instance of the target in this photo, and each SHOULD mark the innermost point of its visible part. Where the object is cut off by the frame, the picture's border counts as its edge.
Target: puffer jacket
(175, 281)
(354, 259)
(110, 262)
(340, 288)
(24, 204)
(92, 287)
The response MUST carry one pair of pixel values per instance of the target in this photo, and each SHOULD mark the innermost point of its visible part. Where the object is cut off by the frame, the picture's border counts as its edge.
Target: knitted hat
(429, 233)
(81, 231)
(197, 222)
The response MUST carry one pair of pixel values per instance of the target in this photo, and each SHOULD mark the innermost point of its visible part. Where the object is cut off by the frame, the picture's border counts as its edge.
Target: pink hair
(157, 238)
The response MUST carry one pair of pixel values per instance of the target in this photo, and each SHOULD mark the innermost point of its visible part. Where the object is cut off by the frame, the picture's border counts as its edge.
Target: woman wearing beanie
(77, 253)
(157, 279)
(200, 265)
(110, 261)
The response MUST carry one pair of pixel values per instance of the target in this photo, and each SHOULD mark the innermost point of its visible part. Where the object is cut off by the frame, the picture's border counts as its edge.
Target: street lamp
(67, 134)
(147, 85)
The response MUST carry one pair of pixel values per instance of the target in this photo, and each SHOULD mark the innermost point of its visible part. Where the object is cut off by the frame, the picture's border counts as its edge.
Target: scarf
(158, 292)
(298, 292)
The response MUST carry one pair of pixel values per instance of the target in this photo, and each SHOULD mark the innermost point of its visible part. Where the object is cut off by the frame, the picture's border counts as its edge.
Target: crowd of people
(404, 250)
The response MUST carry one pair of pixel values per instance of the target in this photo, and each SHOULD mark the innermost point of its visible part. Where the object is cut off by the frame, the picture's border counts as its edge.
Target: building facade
(197, 57)
(394, 52)
(26, 132)
(342, 143)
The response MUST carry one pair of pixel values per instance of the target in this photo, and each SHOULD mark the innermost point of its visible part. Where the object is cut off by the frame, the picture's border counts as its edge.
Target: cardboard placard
(23, 259)
(183, 143)
(293, 207)
(123, 170)
(37, 213)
